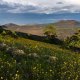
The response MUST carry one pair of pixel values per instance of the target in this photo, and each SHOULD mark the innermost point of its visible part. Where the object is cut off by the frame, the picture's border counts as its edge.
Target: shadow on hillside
(39, 38)
(55, 41)
(30, 36)
(75, 49)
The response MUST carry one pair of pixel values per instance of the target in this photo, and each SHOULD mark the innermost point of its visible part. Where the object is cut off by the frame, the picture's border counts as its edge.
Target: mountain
(67, 23)
(61, 23)
(11, 25)
(64, 28)
(35, 29)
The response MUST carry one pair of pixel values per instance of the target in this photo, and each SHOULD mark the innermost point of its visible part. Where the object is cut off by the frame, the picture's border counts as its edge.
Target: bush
(74, 41)
(50, 31)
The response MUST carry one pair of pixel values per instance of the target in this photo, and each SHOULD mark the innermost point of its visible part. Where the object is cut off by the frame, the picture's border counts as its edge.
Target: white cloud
(40, 6)
(74, 2)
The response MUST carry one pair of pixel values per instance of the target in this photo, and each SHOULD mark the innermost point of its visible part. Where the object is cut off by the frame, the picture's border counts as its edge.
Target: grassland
(25, 59)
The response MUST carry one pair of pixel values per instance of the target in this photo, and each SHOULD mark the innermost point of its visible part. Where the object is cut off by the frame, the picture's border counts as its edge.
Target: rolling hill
(25, 59)
(67, 23)
(64, 28)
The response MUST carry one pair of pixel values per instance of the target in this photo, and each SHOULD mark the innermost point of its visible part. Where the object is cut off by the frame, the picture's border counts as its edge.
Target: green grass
(41, 61)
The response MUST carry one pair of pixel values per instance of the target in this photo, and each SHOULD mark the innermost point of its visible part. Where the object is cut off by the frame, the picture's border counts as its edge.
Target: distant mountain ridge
(67, 23)
(61, 23)
(64, 28)
(10, 25)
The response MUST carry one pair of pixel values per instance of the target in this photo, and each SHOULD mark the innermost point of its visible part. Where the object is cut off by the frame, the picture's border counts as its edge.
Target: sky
(38, 11)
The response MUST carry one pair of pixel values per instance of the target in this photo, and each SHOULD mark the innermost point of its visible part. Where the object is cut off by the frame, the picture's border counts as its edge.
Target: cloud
(40, 6)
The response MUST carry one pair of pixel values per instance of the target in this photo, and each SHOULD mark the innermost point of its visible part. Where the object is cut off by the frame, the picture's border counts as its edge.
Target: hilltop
(67, 23)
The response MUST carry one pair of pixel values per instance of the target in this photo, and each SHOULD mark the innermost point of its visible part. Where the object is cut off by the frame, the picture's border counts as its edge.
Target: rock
(19, 52)
(52, 58)
(3, 46)
(15, 51)
(35, 55)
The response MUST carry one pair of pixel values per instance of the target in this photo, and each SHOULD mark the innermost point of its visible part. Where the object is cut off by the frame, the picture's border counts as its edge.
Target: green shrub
(50, 31)
(74, 41)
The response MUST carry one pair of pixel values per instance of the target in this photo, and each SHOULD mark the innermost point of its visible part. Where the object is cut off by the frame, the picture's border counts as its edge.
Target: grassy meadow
(25, 59)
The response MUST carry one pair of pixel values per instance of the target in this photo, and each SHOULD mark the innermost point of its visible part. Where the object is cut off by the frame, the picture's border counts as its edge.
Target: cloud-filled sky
(40, 6)
(38, 11)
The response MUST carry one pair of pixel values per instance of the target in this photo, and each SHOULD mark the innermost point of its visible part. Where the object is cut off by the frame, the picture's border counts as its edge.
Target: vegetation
(25, 59)
(50, 31)
(74, 41)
